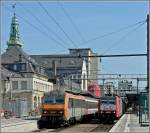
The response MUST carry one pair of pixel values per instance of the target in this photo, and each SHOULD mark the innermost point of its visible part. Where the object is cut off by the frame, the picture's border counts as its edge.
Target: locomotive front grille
(53, 112)
(108, 111)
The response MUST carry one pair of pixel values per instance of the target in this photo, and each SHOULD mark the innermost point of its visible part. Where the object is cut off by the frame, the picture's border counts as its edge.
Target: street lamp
(4, 92)
(8, 78)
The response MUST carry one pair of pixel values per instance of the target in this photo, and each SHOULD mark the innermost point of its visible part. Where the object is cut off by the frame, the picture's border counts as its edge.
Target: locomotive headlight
(45, 112)
(60, 112)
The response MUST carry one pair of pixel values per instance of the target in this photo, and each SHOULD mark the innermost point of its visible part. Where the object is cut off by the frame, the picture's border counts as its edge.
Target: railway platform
(129, 123)
(18, 125)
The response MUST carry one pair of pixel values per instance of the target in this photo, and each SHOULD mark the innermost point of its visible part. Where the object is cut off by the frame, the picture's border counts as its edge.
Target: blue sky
(92, 19)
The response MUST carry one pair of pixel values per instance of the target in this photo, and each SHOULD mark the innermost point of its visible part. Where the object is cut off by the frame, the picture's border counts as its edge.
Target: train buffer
(129, 123)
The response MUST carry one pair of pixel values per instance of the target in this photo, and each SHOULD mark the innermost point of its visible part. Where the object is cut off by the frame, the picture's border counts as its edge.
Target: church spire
(14, 39)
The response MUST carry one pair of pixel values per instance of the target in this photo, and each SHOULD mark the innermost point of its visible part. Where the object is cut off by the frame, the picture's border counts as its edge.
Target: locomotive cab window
(104, 102)
(111, 102)
(54, 100)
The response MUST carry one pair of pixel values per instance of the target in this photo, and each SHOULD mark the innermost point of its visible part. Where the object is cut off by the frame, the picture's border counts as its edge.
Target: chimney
(20, 58)
(54, 68)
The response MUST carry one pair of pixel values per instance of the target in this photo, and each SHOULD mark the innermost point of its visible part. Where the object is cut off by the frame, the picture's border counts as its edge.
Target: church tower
(14, 39)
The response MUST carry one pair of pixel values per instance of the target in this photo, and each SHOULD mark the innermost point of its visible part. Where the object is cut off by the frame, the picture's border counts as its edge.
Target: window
(70, 104)
(91, 105)
(50, 88)
(33, 66)
(111, 102)
(15, 67)
(34, 85)
(53, 100)
(14, 85)
(38, 69)
(35, 102)
(46, 88)
(23, 67)
(42, 71)
(24, 85)
(37, 85)
(79, 76)
(39, 101)
(76, 103)
(6, 66)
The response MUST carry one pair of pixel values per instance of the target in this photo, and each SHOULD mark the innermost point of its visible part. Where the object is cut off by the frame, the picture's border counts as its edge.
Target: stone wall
(26, 95)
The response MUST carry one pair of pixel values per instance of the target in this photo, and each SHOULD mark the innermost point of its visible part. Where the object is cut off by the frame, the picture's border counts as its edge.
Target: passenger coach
(66, 108)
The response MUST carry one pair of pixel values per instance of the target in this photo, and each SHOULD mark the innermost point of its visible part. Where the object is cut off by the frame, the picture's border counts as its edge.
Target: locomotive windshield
(107, 102)
(111, 102)
(104, 102)
(54, 97)
(53, 100)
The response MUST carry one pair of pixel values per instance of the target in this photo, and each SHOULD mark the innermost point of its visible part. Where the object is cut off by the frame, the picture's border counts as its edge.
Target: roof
(47, 60)
(6, 73)
(13, 55)
(80, 49)
(14, 39)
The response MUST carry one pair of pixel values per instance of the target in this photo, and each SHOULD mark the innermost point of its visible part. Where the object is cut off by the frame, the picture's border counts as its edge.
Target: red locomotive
(110, 108)
(94, 89)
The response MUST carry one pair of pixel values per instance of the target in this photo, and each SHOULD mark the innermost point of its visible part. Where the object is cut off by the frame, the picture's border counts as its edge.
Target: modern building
(109, 88)
(23, 77)
(125, 85)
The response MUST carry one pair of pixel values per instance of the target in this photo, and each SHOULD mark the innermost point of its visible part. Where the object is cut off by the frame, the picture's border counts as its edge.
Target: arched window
(35, 102)
(39, 102)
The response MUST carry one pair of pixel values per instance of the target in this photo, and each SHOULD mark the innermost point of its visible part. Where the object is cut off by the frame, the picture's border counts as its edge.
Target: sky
(91, 19)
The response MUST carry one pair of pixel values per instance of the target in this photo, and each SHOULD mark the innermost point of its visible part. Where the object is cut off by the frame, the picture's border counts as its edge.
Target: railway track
(93, 126)
(102, 128)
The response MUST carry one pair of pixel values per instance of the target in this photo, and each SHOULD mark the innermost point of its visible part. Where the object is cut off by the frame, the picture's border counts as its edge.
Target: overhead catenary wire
(123, 37)
(112, 33)
(38, 29)
(53, 19)
(84, 56)
(71, 21)
(43, 24)
(119, 30)
(106, 56)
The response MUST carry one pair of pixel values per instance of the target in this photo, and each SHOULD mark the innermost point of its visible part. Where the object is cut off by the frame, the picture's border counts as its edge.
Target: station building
(29, 76)
(22, 76)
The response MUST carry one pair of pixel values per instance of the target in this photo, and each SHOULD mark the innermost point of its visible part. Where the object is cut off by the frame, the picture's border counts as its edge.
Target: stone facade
(33, 90)
(61, 68)
(22, 76)
(91, 63)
